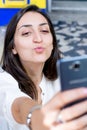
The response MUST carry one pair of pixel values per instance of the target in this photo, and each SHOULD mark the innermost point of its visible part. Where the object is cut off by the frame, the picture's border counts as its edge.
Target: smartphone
(72, 72)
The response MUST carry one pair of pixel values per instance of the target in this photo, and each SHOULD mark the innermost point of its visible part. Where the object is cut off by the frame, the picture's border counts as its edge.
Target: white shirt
(9, 91)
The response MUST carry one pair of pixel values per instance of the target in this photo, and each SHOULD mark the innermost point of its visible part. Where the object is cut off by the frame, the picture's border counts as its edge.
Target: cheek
(50, 48)
(50, 43)
(20, 45)
(23, 48)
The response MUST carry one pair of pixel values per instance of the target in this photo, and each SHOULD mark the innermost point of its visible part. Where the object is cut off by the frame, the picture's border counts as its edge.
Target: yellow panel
(1, 4)
(40, 3)
(13, 4)
(21, 3)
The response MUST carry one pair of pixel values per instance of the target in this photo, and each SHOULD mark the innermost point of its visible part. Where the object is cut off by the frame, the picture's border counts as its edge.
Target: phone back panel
(73, 72)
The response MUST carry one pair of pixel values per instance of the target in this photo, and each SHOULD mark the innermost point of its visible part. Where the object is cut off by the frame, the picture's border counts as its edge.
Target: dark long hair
(11, 63)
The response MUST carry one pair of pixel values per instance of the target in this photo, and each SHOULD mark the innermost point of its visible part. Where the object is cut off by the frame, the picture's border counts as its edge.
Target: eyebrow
(30, 25)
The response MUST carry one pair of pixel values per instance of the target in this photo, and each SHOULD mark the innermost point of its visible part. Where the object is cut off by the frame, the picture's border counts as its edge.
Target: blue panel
(7, 13)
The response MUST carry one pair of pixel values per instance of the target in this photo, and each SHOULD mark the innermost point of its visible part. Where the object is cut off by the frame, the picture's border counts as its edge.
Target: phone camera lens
(76, 66)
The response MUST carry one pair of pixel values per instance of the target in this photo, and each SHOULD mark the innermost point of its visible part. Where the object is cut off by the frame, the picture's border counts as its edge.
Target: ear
(14, 51)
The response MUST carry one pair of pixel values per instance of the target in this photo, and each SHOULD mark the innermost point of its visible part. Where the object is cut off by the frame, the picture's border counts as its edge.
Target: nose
(37, 37)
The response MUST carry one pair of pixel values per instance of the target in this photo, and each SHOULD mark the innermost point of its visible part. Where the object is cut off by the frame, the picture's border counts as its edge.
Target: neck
(35, 72)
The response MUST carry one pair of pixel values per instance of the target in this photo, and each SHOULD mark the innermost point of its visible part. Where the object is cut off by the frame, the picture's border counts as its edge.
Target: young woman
(29, 84)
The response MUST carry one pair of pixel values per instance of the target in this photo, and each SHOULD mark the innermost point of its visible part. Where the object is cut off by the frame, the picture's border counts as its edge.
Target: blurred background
(69, 18)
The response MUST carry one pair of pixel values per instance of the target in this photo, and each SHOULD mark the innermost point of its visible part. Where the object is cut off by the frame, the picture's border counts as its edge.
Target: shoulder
(5, 77)
(9, 86)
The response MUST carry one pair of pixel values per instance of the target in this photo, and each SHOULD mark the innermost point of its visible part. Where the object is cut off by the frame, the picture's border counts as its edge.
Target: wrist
(29, 124)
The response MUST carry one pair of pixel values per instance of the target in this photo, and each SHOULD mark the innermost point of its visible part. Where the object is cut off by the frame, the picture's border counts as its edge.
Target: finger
(74, 111)
(84, 128)
(63, 98)
(77, 124)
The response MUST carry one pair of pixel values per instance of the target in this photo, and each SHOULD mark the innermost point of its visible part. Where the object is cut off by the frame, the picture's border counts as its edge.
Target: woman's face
(33, 39)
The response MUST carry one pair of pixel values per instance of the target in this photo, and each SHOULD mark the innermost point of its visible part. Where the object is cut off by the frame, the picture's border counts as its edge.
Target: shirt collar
(43, 83)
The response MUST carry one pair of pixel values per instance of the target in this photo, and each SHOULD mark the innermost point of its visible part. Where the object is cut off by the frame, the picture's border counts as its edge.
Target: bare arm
(21, 107)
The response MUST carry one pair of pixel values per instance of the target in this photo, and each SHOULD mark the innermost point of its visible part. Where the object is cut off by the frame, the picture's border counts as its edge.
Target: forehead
(32, 18)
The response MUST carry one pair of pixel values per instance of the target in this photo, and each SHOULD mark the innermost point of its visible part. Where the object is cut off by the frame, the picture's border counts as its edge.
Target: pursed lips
(39, 49)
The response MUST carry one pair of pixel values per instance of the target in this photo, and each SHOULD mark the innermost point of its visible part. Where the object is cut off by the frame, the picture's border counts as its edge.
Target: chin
(41, 60)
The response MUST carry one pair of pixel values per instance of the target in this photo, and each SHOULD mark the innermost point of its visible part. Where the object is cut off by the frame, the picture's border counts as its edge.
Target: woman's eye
(26, 34)
(44, 31)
